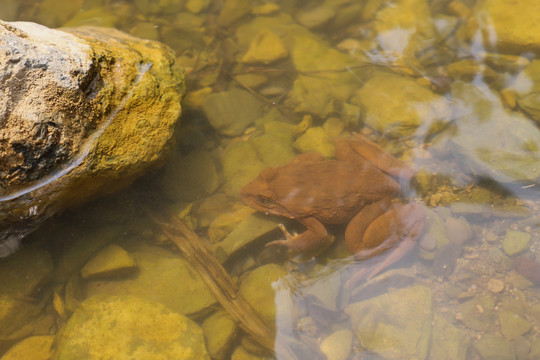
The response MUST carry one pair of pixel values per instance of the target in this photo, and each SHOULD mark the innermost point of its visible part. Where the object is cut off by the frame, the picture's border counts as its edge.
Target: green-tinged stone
(31, 348)
(386, 94)
(226, 222)
(273, 148)
(240, 353)
(196, 6)
(513, 325)
(26, 272)
(265, 48)
(527, 90)
(337, 345)
(190, 177)
(15, 314)
(315, 139)
(94, 17)
(250, 229)
(493, 347)
(219, 330)
(317, 16)
(447, 341)
(266, 291)
(515, 242)
(478, 313)
(109, 262)
(54, 13)
(243, 161)
(146, 30)
(81, 248)
(535, 350)
(325, 91)
(241, 164)
(395, 325)
(111, 327)
(231, 111)
(233, 10)
(162, 277)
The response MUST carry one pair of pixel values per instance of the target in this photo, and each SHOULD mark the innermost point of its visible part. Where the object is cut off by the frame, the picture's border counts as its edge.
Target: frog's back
(331, 191)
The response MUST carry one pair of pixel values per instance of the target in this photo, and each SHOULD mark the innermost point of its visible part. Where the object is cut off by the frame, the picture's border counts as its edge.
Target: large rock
(128, 328)
(81, 113)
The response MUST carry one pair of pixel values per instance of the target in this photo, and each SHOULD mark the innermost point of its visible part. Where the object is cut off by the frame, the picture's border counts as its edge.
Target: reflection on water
(450, 88)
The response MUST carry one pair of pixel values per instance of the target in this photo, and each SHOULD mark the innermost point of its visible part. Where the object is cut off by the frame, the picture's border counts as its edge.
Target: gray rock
(71, 124)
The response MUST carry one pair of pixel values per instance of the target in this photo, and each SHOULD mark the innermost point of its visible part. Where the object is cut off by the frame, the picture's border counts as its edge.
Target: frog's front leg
(312, 239)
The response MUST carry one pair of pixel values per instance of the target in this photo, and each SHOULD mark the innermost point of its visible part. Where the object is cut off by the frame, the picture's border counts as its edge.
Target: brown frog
(358, 188)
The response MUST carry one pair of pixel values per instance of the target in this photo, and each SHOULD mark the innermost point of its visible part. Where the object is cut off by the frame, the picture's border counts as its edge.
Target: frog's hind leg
(394, 231)
(313, 239)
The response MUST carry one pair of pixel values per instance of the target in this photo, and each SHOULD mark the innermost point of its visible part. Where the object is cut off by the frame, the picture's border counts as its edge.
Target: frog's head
(259, 195)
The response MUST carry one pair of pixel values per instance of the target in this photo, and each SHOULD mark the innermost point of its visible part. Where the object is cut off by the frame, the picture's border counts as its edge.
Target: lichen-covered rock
(81, 113)
(110, 327)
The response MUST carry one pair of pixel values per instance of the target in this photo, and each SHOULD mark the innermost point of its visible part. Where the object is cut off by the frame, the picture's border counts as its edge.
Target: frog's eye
(264, 200)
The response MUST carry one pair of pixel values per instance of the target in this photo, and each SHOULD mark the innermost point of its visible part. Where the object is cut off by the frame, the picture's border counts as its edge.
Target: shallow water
(448, 87)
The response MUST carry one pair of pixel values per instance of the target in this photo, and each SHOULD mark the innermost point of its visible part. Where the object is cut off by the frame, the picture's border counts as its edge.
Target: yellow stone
(110, 261)
(508, 26)
(265, 48)
(34, 347)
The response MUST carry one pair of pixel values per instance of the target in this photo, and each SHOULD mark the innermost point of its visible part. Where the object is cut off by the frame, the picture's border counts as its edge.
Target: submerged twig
(215, 276)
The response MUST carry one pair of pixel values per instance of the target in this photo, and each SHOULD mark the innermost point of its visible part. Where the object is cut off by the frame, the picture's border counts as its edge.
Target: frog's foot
(314, 239)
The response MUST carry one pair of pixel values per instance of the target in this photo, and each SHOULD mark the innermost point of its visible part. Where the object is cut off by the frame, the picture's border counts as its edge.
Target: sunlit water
(448, 87)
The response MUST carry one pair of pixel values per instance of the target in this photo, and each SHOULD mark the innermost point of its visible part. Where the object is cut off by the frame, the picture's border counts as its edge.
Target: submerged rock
(395, 325)
(162, 278)
(492, 142)
(385, 95)
(81, 113)
(34, 347)
(128, 327)
(510, 27)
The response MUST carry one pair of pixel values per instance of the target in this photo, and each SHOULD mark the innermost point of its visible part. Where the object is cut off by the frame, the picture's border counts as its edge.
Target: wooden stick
(215, 276)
